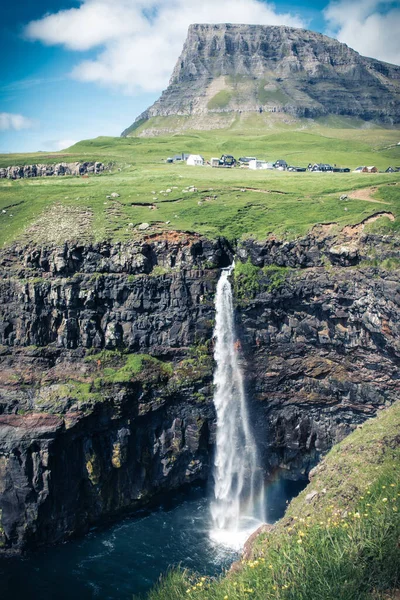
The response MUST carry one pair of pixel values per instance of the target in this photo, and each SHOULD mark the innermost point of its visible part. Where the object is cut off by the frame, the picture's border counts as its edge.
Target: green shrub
(246, 280)
(276, 276)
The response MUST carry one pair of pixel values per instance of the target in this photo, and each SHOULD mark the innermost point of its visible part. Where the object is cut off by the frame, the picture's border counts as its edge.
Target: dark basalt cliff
(235, 69)
(106, 367)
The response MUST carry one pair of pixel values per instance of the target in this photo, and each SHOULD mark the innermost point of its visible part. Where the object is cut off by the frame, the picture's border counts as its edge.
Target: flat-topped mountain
(225, 70)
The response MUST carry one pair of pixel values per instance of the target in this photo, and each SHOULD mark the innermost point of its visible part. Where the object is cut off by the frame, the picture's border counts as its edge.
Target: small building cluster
(255, 164)
(375, 170)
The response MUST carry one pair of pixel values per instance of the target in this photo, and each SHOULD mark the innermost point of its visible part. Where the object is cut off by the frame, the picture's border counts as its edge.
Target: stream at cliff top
(127, 558)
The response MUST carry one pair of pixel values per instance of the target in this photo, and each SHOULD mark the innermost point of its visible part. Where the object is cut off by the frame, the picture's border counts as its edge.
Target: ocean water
(126, 559)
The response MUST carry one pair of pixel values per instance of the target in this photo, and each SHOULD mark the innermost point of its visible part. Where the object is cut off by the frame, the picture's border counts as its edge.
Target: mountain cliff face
(106, 367)
(225, 70)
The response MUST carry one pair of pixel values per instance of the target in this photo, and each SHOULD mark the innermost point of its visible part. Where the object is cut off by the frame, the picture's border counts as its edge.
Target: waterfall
(237, 508)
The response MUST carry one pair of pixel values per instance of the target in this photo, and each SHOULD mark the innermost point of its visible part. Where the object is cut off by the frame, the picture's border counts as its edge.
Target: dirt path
(250, 189)
(366, 194)
(352, 230)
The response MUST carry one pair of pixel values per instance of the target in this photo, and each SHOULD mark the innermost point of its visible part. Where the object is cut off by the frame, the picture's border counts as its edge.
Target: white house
(260, 164)
(195, 160)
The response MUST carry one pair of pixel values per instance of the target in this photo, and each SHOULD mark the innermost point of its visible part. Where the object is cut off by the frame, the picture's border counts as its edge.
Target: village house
(195, 160)
(260, 164)
(365, 170)
(321, 168)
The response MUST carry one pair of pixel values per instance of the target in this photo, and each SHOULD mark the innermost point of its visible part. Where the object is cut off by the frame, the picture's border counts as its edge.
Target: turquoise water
(128, 558)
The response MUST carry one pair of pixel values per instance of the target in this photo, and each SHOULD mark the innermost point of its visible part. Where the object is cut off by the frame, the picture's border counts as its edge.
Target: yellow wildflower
(384, 499)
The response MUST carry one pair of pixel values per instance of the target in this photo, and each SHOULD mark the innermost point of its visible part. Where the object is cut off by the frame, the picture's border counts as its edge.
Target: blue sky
(76, 70)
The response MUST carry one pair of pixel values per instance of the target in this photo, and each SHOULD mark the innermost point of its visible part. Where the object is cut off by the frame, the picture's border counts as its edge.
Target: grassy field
(284, 204)
(341, 545)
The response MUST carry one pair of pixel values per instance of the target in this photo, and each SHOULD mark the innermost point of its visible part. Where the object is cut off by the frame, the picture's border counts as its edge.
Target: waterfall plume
(237, 508)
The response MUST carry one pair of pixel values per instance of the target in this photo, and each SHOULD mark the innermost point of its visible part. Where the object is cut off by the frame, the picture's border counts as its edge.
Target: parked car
(280, 164)
(226, 160)
(297, 169)
(244, 160)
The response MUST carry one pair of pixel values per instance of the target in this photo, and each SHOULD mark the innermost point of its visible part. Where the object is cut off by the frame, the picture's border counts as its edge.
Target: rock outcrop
(106, 368)
(59, 169)
(226, 69)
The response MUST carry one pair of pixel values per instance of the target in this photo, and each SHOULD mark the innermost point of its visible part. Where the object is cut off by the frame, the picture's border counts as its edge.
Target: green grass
(107, 369)
(76, 208)
(271, 96)
(220, 100)
(250, 280)
(117, 367)
(342, 545)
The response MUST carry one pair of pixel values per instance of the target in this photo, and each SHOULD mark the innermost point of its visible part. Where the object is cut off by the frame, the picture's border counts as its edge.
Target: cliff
(226, 70)
(106, 367)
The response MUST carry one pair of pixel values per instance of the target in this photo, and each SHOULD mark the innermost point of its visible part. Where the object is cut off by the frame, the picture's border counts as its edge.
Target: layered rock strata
(106, 367)
(228, 69)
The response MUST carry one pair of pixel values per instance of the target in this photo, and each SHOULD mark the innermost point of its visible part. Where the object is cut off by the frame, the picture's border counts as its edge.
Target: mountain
(228, 70)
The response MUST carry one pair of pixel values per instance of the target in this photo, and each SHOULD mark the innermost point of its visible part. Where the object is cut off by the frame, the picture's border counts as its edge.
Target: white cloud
(59, 144)
(139, 41)
(15, 122)
(369, 26)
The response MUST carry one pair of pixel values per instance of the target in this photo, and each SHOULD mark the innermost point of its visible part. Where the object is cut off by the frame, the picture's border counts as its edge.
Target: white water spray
(238, 505)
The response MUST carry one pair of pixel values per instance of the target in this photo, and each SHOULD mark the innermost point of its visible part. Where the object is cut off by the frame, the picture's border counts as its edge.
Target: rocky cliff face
(106, 367)
(229, 69)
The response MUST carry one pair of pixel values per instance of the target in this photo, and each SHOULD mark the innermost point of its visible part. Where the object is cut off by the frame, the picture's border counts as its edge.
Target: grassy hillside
(339, 540)
(286, 204)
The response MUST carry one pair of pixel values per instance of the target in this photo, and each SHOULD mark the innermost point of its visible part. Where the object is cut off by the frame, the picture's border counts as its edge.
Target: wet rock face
(228, 68)
(28, 171)
(82, 441)
(323, 355)
(61, 473)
